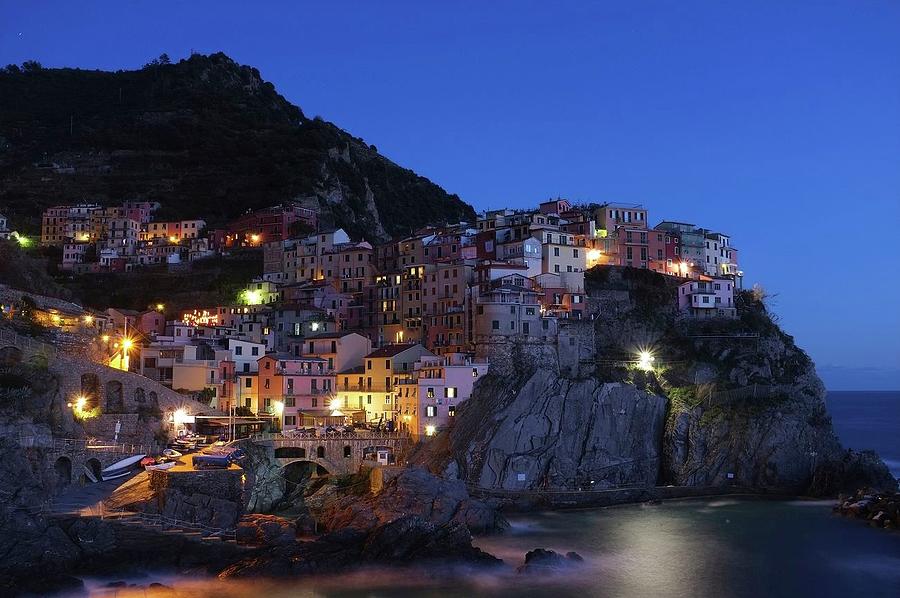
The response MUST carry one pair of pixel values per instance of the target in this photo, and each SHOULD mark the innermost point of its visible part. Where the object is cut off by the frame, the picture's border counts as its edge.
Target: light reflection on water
(717, 548)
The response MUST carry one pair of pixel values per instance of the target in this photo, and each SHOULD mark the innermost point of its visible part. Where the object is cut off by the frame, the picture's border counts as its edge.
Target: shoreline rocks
(879, 509)
(542, 561)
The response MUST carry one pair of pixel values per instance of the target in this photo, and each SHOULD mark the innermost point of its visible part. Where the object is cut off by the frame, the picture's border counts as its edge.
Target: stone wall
(562, 353)
(213, 498)
(122, 396)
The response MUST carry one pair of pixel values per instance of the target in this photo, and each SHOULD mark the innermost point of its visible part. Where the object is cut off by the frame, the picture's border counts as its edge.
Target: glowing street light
(127, 344)
(105, 338)
(160, 306)
(254, 238)
(336, 405)
(22, 240)
(179, 417)
(278, 407)
(645, 360)
(429, 430)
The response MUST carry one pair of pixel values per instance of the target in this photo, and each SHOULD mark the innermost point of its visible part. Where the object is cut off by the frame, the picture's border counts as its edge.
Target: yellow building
(383, 371)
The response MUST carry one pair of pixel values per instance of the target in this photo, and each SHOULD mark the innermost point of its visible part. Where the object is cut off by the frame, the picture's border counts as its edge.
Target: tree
(13, 69)
(31, 66)
(300, 229)
(206, 396)
(164, 59)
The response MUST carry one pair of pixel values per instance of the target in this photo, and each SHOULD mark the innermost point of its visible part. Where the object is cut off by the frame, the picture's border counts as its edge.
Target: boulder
(265, 530)
(541, 560)
(414, 492)
(408, 540)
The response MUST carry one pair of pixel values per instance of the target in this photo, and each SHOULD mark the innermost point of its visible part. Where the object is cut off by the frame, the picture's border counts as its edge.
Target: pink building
(428, 399)
(151, 322)
(296, 387)
(707, 298)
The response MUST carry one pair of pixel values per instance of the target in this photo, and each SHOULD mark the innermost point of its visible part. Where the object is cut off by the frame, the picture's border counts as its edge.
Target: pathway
(87, 500)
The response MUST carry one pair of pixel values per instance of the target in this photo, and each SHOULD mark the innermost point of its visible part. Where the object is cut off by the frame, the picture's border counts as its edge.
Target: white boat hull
(120, 468)
(90, 474)
(160, 466)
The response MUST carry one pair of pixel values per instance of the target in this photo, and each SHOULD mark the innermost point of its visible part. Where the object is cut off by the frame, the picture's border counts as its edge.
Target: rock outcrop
(414, 492)
(879, 509)
(731, 402)
(409, 540)
(542, 431)
(542, 561)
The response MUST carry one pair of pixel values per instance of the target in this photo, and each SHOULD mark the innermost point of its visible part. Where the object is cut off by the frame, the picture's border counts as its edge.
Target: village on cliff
(339, 333)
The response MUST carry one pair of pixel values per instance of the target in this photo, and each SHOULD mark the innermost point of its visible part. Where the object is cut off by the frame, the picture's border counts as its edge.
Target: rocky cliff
(728, 402)
(538, 430)
(206, 137)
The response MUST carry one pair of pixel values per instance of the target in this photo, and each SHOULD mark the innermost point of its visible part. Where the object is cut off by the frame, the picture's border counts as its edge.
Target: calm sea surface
(720, 548)
(868, 420)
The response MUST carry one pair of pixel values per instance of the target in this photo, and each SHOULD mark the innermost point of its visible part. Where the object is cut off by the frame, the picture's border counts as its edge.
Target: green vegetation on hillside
(206, 138)
(210, 282)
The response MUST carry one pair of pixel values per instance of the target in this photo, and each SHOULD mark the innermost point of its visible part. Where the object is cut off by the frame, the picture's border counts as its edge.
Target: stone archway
(297, 475)
(320, 452)
(63, 470)
(90, 390)
(290, 452)
(140, 397)
(115, 401)
(10, 356)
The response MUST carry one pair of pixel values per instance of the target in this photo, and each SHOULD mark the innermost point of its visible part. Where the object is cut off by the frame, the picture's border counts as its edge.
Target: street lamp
(645, 360)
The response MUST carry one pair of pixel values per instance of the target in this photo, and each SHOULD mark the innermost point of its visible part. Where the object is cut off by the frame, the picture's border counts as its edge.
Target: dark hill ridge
(206, 137)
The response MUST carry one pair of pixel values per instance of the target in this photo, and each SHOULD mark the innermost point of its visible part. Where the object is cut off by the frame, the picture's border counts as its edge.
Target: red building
(269, 224)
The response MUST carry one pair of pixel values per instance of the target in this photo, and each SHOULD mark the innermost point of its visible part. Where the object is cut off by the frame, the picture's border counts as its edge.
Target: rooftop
(391, 350)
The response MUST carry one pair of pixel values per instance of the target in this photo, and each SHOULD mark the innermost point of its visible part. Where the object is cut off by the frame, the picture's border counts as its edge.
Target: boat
(120, 468)
(171, 453)
(90, 474)
(148, 461)
(161, 466)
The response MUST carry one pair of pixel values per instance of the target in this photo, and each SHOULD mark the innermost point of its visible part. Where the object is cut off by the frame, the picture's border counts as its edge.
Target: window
(248, 382)
(556, 251)
(450, 392)
(430, 411)
(238, 350)
(266, 384)
(495, 324)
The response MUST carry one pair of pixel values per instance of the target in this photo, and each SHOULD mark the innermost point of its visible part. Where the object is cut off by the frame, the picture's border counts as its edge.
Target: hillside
(206, 137)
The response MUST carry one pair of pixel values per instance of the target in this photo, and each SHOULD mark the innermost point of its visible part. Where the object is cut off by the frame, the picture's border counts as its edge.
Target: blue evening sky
(777, 122)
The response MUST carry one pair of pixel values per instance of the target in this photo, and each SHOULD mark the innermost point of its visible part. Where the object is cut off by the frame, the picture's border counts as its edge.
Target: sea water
(719, 548)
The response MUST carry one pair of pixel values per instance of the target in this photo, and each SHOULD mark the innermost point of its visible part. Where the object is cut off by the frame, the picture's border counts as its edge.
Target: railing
(24, 342)
(72, 445)
(280, 438)
(170, 522)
